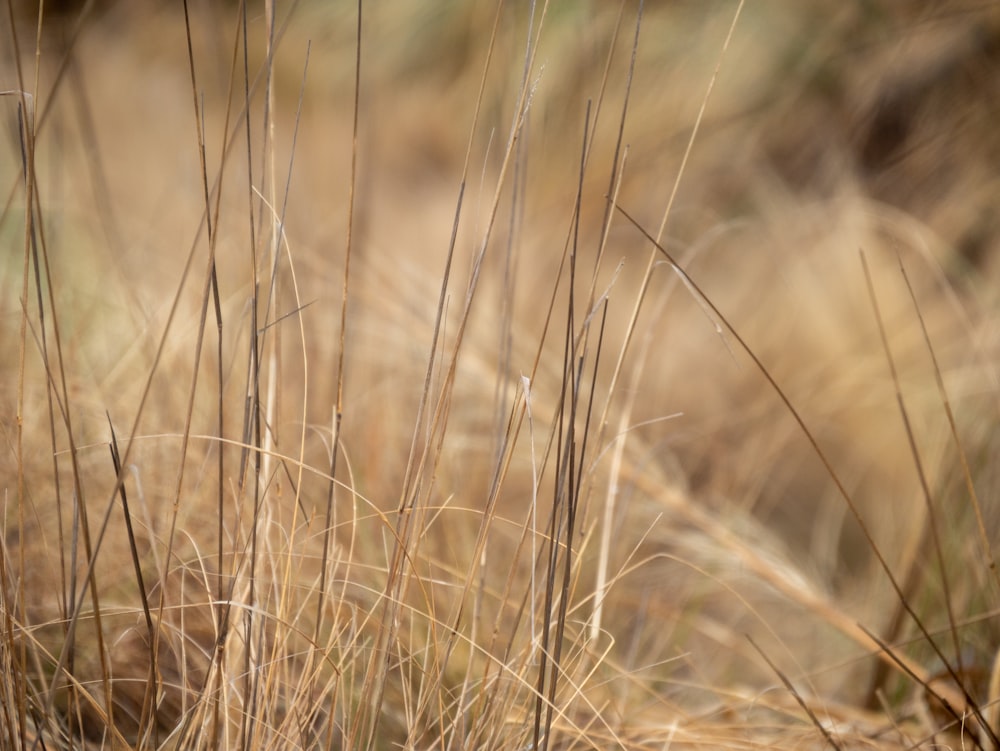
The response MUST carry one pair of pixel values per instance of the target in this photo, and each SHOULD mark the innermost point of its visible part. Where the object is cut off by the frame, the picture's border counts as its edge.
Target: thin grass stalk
(985, 546)
(284, 616)
(614, 184)
(26, 143)
(519, 411)
(251, 462)
(210, 290)
(575, 464)
(518, 186)
(538, 470)
(152, 693)
(41, 260)
(504, 415)
(249, 406)
(338, 415)
(630, 328)
(438, 425)
(223, 592)
(675, 188)
(25, 135)
(606, 224)
(25, 126)
(562, 495)
(797, 696)
(211, 281)
(272, 398)
(410, 472)
(932, 530)
(373, 688)
(502, 412)
(521, 113)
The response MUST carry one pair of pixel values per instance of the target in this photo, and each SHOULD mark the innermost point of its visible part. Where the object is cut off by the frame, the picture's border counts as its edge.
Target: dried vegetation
(500, 375)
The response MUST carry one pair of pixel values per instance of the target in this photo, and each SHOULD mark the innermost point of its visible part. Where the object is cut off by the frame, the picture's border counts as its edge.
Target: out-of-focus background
(786, 140)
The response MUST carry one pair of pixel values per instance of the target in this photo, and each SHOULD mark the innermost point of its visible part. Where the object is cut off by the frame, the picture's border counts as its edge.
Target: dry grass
(500, 377)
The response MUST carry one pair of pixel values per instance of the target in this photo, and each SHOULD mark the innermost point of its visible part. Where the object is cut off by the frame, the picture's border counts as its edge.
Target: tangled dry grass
(500, 376)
